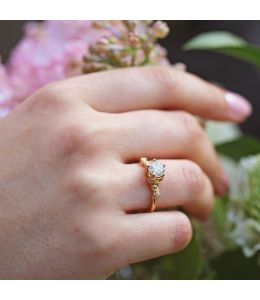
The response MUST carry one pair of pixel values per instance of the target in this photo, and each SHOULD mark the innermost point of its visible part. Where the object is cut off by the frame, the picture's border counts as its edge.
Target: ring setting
(155, 171)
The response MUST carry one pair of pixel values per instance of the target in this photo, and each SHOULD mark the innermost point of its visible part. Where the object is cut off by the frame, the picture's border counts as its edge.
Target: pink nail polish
(239, 106)
(223, 186)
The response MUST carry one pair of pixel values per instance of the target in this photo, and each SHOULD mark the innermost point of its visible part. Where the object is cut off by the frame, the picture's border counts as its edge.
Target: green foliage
(220, 214)
(226, 43)
(234, 265)
(241, 147)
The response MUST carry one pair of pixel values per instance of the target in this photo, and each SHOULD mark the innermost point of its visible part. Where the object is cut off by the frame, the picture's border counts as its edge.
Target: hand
(71, 179)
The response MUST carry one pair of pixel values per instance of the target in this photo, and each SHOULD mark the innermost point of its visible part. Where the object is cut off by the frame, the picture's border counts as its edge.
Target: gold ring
(155, 171)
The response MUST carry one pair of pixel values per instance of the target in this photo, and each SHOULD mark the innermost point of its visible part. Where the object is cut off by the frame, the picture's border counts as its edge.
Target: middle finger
(167, 134)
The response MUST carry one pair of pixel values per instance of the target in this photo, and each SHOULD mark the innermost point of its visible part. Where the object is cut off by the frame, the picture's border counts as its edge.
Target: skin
(71, 181)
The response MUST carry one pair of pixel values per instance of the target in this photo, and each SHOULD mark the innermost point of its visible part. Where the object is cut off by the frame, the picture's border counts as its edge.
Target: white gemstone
(156, 168)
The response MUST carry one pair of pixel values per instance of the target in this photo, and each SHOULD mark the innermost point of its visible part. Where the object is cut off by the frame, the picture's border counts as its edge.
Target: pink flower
(49, 51)
(54, 50)
(6, 92)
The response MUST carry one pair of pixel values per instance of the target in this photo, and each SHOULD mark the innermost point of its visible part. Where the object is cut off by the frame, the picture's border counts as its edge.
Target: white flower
(244, 209)
(222, 132)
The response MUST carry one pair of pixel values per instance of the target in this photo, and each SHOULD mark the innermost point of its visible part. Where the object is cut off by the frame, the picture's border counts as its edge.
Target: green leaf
(241, 147)
(234, 265)
(214, 40)
(220, 213)
(225, 43)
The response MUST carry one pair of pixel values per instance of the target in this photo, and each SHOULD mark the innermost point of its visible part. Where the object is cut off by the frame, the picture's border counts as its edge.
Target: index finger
(159, 87)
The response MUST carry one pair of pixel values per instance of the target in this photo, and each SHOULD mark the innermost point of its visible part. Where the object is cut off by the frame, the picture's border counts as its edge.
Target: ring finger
(184, 185)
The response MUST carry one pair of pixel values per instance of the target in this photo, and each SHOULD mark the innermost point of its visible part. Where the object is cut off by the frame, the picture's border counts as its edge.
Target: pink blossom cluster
(49, 51)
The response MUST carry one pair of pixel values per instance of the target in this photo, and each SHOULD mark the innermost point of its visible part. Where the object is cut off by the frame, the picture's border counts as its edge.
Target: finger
(158, 88)
(150, 235)
(184, 185)
(160, 134)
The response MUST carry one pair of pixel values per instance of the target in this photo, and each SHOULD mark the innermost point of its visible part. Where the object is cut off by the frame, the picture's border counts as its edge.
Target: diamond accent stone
(156, 168)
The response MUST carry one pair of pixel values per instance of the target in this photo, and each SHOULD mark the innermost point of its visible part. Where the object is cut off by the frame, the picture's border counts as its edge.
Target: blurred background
(231, 73)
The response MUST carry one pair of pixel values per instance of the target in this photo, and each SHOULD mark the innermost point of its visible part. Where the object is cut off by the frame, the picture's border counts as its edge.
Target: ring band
(155, 171)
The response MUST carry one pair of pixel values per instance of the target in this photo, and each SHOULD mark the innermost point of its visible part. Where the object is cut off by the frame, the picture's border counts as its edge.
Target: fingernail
(223, 185)
(239, 106)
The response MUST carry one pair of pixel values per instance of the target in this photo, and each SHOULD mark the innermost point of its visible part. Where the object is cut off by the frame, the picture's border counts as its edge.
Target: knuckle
(97, 135)
(93, 230)
(69, 138)
(166, 77)
(190, 127)
(49, 98)
(105, 244)
(149, 119)
(182, 231)
(84, 184)
(55, 91)
(194, 178)
(74, 136)
(96, 185)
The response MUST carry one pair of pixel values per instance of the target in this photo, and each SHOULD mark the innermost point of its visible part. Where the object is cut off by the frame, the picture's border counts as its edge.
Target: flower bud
(94, 67)
(98, 24)
(130, 24)
(160, 29)
(134, 40)
(126, 61)
(128, 43)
